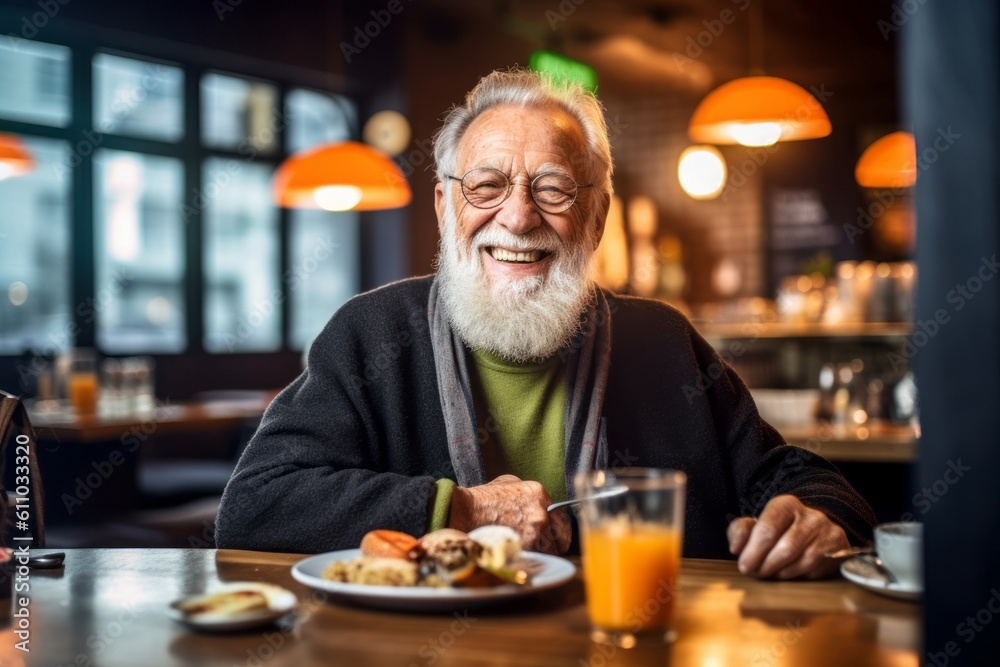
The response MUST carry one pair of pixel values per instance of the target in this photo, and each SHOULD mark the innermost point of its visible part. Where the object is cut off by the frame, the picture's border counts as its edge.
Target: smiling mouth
(521, 257)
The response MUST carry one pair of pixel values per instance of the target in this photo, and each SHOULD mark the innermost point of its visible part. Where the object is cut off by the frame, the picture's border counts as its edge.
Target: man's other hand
(788, 540)
(509, 501)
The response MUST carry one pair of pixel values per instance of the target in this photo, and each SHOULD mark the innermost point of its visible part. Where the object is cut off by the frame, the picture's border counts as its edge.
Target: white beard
(522, 320)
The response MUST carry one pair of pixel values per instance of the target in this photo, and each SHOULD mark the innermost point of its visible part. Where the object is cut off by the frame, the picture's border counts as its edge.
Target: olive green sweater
(520, 410)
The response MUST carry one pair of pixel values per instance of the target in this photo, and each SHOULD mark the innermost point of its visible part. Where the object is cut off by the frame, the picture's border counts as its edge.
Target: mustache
(540, 238)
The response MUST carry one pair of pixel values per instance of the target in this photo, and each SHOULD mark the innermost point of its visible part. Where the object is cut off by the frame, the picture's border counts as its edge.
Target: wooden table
(107, 608)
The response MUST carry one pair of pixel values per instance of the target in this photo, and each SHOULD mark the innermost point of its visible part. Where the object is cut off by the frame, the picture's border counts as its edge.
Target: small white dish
(280, 601)
(863, 572)
(547, 572)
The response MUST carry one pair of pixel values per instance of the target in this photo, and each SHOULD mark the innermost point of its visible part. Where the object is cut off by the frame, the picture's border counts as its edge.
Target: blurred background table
(107, 608)
(143, 480)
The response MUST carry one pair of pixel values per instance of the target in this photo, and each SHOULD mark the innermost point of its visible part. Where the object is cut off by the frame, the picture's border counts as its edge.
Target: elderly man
(474, 396)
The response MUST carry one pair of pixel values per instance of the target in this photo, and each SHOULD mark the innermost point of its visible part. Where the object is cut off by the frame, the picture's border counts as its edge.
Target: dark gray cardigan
(356, 442)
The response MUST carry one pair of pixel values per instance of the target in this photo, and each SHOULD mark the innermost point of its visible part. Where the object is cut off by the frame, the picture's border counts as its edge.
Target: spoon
(849, 552)
(600, 495)
(868, 553)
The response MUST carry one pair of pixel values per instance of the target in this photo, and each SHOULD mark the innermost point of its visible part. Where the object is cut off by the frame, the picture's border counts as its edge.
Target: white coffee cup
(899, 545)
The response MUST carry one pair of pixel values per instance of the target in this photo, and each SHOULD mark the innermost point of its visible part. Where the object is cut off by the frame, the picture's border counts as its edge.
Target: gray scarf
(588, 361)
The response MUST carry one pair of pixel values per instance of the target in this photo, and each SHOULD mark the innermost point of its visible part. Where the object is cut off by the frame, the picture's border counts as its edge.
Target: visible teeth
(508, 256)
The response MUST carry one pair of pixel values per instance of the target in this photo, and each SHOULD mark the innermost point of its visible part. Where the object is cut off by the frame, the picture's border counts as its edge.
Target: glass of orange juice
(82, 386)
(632, 533)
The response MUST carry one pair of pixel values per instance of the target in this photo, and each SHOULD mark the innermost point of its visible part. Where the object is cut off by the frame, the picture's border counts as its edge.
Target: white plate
(547, 572)
(865, 574)
(280, 601)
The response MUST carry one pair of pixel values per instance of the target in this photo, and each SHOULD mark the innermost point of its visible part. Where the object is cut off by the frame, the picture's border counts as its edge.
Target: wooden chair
(22, 510)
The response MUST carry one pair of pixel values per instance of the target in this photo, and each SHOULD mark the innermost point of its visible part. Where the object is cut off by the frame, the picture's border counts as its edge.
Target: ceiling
(696, 44)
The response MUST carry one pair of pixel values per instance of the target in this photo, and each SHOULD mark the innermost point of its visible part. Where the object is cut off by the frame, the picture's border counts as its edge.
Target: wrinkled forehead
(518, 139)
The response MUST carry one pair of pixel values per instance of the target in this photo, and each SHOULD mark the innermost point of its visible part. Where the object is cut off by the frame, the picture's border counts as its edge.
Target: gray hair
(524, 88)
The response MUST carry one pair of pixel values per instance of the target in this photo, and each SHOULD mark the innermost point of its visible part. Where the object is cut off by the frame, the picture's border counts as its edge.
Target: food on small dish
(237, 605)
(226, 603)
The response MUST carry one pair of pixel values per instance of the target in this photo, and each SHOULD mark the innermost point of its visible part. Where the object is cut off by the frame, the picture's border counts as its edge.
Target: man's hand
(788, 540)
(509, 501)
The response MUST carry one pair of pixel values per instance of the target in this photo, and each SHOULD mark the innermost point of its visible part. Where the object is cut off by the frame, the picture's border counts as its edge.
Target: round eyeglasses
(485, 187)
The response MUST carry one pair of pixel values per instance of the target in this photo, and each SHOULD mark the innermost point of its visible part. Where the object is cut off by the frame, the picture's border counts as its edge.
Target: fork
(606, 493)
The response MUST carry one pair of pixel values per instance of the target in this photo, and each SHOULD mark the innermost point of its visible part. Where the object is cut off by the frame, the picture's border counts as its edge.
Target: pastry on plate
(374, 571)
(501, 546)
(451, 554)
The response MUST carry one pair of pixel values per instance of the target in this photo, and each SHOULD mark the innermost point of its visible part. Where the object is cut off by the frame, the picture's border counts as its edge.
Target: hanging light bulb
(756, 134)
(701, 171)
(338, 197)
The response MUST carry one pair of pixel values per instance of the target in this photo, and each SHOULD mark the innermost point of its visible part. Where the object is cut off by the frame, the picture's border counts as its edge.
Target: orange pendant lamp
(758, 111)
(889, 162)
(344, 176)
(15, 159)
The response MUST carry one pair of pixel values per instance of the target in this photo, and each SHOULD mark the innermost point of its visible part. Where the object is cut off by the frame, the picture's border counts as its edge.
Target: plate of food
(441, 571)
(239, 605)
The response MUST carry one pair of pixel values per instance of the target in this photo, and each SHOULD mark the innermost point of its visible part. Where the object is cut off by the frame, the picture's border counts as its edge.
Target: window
(138, 98)
(35, 253)
(322, 270)
(161, 190)
(34, 83)
(242, 292)
(315, 118)
(243, 289)
(139, 237)
(238, 114)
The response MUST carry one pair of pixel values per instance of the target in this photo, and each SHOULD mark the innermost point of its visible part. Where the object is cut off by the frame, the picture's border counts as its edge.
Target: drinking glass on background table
(143, 395)
(82, 386)
(113, 403)
(631, 549)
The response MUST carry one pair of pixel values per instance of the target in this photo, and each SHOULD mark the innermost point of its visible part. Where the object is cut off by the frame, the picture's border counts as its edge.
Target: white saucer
(862, 572)
(280, 601)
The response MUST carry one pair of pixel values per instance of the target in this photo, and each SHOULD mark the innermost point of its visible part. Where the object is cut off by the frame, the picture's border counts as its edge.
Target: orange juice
(83, 393)
(630, 573)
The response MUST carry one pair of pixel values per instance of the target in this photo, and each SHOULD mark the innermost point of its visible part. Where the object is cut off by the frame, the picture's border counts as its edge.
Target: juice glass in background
(631, 549)
(82, 386)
